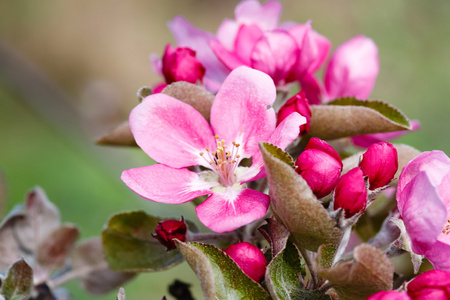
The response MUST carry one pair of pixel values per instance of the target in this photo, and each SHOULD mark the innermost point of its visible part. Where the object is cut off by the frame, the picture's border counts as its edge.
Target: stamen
(446, 229)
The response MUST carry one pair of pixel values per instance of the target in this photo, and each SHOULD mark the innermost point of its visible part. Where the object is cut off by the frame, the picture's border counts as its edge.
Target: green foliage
(18, 282)
(129, 245)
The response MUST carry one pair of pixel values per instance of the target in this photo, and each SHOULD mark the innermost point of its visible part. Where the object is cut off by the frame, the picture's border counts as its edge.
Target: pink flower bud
(389, 295)
(168, 230)
(351, 193)
(297, 103)
(433, 284)
(249, 258)
(380, 163)
(320, 166)
(180, 64)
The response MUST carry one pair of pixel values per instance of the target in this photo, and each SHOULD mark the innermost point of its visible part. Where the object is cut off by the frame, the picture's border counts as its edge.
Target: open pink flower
(177, 136)
(255, 39)
(423, 200)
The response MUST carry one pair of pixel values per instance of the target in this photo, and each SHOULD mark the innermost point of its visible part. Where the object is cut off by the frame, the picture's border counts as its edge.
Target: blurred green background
(69, 71)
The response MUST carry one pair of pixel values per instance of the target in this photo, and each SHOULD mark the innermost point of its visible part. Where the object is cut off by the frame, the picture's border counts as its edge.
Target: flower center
(223, 161)
(446, 229)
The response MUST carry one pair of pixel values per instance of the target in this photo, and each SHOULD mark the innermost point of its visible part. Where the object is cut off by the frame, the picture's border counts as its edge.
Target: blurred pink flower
(423, 200)
(177, 136)
(255, 39)
(389, 295)
(249, 258)
(180, 64)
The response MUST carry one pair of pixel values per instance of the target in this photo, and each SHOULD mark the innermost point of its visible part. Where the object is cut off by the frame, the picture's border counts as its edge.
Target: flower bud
(249, 258)
(297, 103)
(380, 163)
(180, 64)
(320, 166)
(350, 193)
(433, 284)
(389, 295)
(168, 230)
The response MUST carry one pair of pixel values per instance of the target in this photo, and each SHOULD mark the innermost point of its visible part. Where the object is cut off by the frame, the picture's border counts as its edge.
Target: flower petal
(240, 110)
(435, 163)
(353, 69)
(247, 37)
(276, 54)
(186, 35)
(265, 15)
(161, 183)
(227, 211)
(170, 131)
(287, 131)
(438, 256)
(423, 212)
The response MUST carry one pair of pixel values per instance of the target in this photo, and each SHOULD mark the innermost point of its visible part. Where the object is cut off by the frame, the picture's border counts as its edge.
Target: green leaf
(350, 117)
(279, 153)
(219, 275)
(295, 206)
(371, 271)
(129, 245)
(18, 282)
(282, 277)
(276, 234)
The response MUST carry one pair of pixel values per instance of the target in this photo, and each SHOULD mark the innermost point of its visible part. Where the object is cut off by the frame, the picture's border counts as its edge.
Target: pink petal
(438, 256)
(287, 131)
(435, 163)
(156, 63)
(275, 54)
(227, 211)
(170, 131)
(353, 69)
(312, 88)
(240, 110)
(247, 37)
(227, 57)
(423, 212)
(314, 49)
(265, 15)
(160, 183)
(186, 35)
(226, 33)
(366, 140)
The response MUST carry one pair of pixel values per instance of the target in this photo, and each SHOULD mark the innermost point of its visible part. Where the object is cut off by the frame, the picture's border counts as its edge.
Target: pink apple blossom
(350, 193)
(379, 163)
(254, 38)
(297, 103)
(177, 136)
(249, 258)
(180, 64)
(320, 166)
(423, 200)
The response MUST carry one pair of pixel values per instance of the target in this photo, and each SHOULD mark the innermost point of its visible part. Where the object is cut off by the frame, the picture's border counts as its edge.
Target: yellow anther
(216, 136)
(237, 156)
(207, 149)
(201, 153)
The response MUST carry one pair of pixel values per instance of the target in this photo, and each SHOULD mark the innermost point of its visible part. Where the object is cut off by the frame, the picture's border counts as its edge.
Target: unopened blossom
(177, 136)
(168, 230)
(254, 38)
(320, 166)
(430, 285)
(423, 200)
(379, 163)
(249, 258)
(350, 193)
(180, 64)
(297, 103)
(433, 284)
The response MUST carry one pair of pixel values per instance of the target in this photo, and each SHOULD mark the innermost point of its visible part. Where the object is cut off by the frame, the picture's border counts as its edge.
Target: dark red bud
(350, 193)
(168, 230)
(180, 64)
(297, 103)
(320, 166)
(380, 162)
(249, 258)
